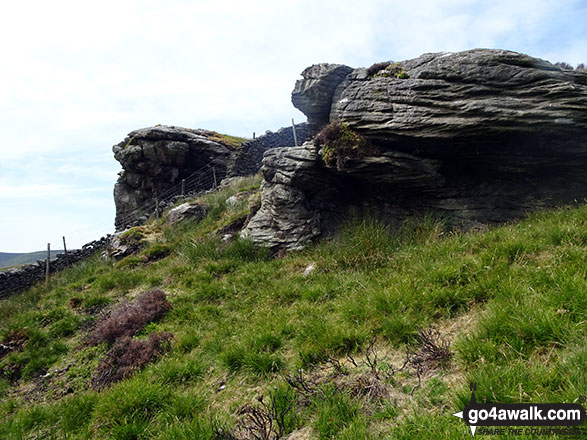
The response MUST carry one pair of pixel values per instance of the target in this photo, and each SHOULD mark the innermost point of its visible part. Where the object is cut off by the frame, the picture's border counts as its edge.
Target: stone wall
(247, 159)
(25, 277)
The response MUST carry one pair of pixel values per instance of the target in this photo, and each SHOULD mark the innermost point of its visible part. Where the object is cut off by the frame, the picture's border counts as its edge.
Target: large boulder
(477, 137)
(156, 159)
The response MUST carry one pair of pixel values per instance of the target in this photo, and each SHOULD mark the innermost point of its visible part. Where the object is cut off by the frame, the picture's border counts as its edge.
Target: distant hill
(8, 259)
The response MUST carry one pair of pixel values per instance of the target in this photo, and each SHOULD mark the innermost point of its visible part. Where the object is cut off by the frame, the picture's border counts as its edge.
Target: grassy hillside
(379, 340)
(8, 259)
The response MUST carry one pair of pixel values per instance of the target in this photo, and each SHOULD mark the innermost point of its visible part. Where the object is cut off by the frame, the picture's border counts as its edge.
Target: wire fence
(202, 180)
(206, 178)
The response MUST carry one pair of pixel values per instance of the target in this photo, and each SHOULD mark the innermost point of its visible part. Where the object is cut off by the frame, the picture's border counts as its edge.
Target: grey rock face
(285, 219)
(191, 210)
(463, 96)
(157, 158)
(313, 94)
(475, 137)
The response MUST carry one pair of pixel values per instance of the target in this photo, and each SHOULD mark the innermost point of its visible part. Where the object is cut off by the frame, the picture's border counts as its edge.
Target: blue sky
(76, 77)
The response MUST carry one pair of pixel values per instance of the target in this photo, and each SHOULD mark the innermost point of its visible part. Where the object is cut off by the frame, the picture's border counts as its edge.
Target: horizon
(73, 87)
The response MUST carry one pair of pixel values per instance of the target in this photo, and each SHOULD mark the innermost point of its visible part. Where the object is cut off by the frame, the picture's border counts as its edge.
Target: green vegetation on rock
(340, 143)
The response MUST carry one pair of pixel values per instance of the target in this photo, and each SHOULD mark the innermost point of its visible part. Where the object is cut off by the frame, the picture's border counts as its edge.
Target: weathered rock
(476, 137)
(285, 219)
(313, 94)
(156, 159)
(190, 210)
(124, 243)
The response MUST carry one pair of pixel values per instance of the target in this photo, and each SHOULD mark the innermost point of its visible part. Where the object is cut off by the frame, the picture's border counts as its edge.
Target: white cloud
(43, 191)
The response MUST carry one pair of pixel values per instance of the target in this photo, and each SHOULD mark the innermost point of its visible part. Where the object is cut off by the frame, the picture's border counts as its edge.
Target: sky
(76, 77)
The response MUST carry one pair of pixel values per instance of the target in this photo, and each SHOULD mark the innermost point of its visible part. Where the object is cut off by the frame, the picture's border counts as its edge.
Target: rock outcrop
(477, 137)
(286, 219)
(156, 159)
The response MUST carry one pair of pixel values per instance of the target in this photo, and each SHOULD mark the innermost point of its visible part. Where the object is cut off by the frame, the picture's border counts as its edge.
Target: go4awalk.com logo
(522, 418)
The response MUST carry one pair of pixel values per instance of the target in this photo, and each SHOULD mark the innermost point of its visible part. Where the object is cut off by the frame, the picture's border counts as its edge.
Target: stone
(476, 137)
(460, 97)
(190, 210)
(122, 244)
(309, 269)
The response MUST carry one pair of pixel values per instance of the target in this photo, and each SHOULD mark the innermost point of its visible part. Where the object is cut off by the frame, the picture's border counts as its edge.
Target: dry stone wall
(248, 158)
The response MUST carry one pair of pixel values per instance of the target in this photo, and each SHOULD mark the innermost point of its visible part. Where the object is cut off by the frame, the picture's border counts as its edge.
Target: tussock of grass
(243, 321)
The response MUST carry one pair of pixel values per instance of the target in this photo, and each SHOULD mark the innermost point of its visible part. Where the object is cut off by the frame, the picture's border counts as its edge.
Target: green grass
(512, 299)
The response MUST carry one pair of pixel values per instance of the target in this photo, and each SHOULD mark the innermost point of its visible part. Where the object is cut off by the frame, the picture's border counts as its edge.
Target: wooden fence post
(47, 265)
(293, 127)
(183, 187)
(214, 174)
(65, 250)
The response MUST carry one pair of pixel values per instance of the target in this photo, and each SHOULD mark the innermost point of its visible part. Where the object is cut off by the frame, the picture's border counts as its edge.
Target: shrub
(387, 69)
(129, 318)
(371, 71)
(129, 355)
(340, 143)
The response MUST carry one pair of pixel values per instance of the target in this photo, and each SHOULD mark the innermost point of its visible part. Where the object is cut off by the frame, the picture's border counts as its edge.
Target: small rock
(192, 210)
(309, 269)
